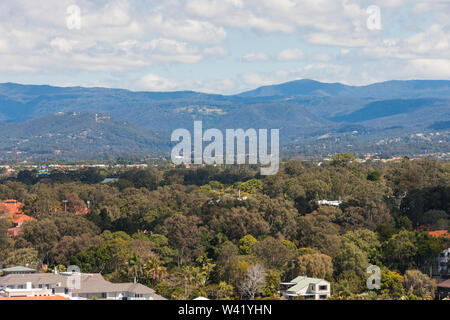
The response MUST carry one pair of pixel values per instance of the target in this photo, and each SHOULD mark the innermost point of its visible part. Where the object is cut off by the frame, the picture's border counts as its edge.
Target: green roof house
(309, 288)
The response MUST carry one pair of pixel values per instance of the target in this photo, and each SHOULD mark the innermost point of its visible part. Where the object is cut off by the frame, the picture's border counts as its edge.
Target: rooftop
(89, 283)
(35, 298)
(439, 233)
(19, 269)
(301, 282)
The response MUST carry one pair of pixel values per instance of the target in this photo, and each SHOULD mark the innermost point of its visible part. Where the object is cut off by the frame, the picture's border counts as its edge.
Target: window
(104, 295)
(323, 288)
(322, 296)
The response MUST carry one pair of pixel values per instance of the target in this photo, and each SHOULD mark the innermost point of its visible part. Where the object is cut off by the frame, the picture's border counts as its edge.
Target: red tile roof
(14, 232)
(21, 218)
(13, 206)
(439, 233)
(13, 209)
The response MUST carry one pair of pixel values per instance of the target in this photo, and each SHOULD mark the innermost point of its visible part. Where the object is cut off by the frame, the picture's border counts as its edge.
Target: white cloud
(322, 57)
(154, 82)
(216, 51)
(291, 55)
(187, 29)
(171, 50)
(255, 56)
(62, 44)
(256, 79)
(122, 37)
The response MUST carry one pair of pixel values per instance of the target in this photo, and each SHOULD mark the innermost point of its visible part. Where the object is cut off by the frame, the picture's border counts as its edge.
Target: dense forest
(207, 231)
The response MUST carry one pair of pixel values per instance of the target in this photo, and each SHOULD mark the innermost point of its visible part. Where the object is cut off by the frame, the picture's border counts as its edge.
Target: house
(309, 288)
(13, 209)
(74, 286)
(443, 289)
(109, 180)
(50, 298)
(17, 270)
(331, 203)
(442, 265)
(439, 233)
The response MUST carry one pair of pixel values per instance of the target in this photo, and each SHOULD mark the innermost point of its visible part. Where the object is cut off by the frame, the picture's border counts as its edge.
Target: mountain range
(314, 118)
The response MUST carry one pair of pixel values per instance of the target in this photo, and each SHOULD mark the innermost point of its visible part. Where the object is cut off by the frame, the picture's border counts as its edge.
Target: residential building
(17, 270)
(441, 267)
(309, 288)
(50, 298)
(13, 209)
(75, 286)
(443, 289)
(331, 203)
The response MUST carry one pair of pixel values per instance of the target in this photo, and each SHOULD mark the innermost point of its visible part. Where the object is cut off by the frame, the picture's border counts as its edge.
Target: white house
(331, 203)
(444, 262)
(77, 286)
(309, 288)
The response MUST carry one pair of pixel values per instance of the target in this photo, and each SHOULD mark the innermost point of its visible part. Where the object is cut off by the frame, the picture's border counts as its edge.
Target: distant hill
(141, 122)
(78, 136)
(384, 90)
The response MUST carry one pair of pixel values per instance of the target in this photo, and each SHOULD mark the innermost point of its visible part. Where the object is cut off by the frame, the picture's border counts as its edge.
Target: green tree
(27, 257)
(400, 251)
(246, 243)
(272, 283)
(391, 284)
(419, 284)
(350, 264)
(315, 265)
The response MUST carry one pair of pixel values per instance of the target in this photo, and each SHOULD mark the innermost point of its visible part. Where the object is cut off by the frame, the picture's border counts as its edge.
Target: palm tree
(135, 266)
(155, 269)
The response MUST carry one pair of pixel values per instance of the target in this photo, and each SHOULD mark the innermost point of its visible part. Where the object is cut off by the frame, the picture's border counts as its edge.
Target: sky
(221, 46)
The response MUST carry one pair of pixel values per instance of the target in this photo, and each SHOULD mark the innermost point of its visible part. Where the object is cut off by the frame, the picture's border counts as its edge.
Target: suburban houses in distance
(20, 283)
(12, 209)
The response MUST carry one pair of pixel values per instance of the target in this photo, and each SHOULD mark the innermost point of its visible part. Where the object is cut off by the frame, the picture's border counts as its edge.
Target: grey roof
(444, 284)
(34, 278)
(89, 283)
(109, 180)
(18, 269)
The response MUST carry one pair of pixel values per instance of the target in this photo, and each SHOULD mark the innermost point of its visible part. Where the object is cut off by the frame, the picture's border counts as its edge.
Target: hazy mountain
(78, 136)
(384, 90)
(304, 110)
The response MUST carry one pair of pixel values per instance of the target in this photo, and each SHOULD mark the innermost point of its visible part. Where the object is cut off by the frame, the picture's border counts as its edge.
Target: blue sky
(221, 46)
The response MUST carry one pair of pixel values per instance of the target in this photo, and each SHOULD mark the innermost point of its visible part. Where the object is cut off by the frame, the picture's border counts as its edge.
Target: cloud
(256, 79)
(291, 55)
(62, 44)
(187, 29)
(121, 38)
(215, 51)
(255, 56)
(154, 82)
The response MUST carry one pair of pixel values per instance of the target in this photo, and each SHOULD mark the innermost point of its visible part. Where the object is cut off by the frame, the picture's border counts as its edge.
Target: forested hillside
(303, 110)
